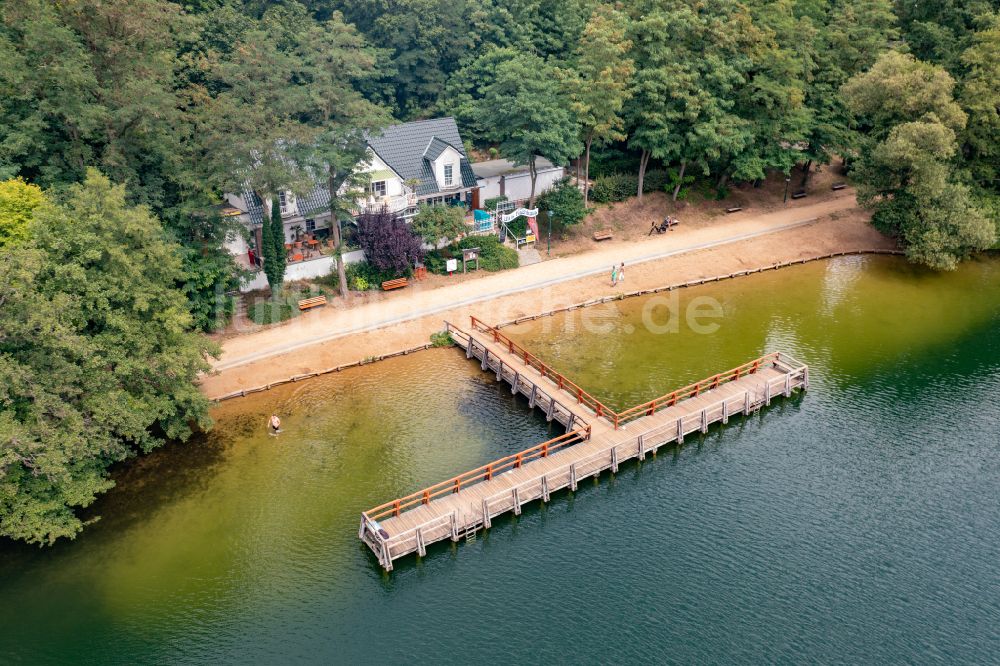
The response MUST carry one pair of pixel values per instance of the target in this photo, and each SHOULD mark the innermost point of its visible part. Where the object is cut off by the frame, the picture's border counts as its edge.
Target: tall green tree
(599, 80)
(850, 36)
(335, 63)
(908, 172)
(97, 358)
(273, 250)
(688, 71)
(525, 110)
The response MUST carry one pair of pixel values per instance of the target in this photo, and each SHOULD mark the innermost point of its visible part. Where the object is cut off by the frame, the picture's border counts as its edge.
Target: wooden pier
(597, 439)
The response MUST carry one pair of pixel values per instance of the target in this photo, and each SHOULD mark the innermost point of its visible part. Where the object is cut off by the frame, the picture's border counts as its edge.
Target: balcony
(395, 204)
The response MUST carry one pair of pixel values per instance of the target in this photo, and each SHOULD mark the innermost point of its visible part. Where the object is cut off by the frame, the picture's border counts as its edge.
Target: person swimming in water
(274, 423)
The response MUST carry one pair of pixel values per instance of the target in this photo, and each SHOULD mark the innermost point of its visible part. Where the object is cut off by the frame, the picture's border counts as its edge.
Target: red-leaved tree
(388, 242)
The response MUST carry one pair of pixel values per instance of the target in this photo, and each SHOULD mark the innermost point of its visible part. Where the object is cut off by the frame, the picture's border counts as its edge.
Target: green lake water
(859, 522)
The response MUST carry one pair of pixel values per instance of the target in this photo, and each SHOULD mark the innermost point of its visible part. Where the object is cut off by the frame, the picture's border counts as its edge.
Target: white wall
(518, 185)
(393, 186)
(454, 158)
(304, 270)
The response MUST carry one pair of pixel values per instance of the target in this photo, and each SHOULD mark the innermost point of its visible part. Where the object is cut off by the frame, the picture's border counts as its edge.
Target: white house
(409, 164)
(503, 178)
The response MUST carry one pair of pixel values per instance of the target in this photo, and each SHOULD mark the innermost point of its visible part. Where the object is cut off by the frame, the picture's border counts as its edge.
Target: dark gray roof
(407, 148)
(435, 148)
(491, 168)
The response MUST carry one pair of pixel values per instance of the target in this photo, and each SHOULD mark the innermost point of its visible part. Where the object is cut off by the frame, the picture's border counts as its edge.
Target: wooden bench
(398, 283)
(309, 303)
(799, 194)
(838, 186)
(734, 209)
(603, 234)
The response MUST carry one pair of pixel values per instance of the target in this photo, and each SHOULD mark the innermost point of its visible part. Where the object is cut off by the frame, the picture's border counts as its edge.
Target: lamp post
(787, 180)
(548, 248)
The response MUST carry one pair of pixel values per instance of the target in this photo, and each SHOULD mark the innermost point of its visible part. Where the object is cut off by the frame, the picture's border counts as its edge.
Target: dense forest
(122, 123)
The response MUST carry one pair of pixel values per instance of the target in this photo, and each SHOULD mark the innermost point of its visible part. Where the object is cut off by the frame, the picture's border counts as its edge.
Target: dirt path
(337, 335)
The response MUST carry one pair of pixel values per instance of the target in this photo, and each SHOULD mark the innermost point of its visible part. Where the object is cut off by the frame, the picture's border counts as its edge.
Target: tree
(687, 74)
(907, 172)
(273, 250)
(92, 83)
(426, 40)
(979, 95)
(334, 63)
(18, 201)
(388, 243)
(599, 81)
(210, 271)
(565, 202)
(852, 36)
(523, 108)
(97, 361)
(434, 223)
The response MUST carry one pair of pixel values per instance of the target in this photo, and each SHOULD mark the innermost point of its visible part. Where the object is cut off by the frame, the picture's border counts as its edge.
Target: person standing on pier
(614, 275)
(621, 272)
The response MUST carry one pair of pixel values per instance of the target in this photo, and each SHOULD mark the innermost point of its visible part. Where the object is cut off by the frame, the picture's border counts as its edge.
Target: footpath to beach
(339, 334)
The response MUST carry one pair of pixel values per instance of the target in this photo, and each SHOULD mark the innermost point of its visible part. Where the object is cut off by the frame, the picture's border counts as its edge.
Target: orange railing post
(395, 508)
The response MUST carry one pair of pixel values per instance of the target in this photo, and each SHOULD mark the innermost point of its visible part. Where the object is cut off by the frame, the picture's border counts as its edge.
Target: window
(310, 225)
(449, 174)
(378, 188)
(287, 202)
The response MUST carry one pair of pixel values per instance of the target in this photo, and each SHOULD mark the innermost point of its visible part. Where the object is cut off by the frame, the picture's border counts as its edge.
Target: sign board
(520, 212)
(451, 265)
(530, 238)
(470, 254)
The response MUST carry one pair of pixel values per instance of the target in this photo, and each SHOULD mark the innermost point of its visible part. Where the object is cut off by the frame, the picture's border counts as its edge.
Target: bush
(565, 201)
(491, 203)
(442, 339)
(518, 227)
(389, 244)
(432, 223)
(362, 276)
(616, 187)
(282, 307)
(655, 180)
(493, 255)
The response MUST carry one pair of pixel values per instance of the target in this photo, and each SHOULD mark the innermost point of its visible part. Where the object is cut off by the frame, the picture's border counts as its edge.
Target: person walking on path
(621, 272)
(614, 275)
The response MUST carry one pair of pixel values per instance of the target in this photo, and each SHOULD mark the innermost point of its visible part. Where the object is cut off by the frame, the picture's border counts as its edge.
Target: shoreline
(242, 393)
(834, 235)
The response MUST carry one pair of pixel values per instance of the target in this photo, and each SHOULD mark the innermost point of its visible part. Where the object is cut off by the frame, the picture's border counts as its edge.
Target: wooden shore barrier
(694, 283)
(242, 393)
(597, 439)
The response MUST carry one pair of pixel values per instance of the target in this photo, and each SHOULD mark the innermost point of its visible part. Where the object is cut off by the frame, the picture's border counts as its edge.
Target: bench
(734, 209)
(309, 303)
(838, 186)
(799, 194)
(398, 283)
(603, 234)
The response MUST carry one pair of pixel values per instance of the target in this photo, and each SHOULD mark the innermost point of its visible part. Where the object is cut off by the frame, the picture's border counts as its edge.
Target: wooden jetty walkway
(597, 438)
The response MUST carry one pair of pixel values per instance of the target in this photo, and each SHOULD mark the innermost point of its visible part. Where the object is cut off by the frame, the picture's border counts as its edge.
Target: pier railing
(645, 409)
(694, 390)
(484, 473)
(565, 384)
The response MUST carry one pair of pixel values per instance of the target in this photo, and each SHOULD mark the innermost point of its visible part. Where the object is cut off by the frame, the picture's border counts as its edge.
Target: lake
(859, 522)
